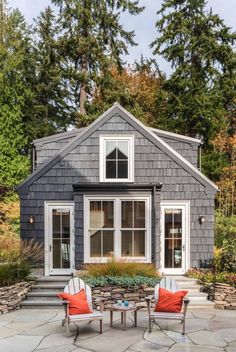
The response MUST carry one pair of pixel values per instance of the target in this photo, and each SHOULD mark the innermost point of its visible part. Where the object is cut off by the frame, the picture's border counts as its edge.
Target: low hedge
(126, 281)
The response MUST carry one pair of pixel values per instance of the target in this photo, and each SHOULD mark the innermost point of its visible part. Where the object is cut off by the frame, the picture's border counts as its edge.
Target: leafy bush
(121, 268)
(208, 277)
(225, 257)
(225, 228)
(126, 281)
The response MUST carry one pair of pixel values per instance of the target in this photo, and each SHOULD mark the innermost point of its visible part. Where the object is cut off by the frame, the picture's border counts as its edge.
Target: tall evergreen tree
(92, 36)
(14, 94)
(52, 110)
(199, 46)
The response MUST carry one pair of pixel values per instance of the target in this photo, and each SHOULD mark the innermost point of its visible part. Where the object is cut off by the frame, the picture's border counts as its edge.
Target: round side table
(123, 310)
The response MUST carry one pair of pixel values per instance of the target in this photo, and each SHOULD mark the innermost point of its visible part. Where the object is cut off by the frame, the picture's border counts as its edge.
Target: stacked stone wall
(111, 294)
(223, 295)
(11, 296)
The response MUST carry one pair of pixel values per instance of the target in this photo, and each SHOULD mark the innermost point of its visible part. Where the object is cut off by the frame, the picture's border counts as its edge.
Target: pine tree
(92, 37)
(199, 46)
(52, 110)
(14, 165)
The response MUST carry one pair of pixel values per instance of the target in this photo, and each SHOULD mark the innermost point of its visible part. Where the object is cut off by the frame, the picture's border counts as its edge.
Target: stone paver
(207, 330)
(194, 348)
(207, 338)
(115, 339)
(63, 348)
(145, 346)
(159, 337)
(20, 343)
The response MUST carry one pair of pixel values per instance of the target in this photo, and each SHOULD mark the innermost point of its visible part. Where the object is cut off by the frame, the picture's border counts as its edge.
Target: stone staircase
(43, 293)
(197, 298)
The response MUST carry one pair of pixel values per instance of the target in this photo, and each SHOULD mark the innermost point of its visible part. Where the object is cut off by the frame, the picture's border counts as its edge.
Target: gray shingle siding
(152, 165)
(188, 150)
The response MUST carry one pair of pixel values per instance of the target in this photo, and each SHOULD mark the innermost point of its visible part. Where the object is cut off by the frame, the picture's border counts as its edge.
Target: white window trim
(47, 241)
(185, 205)
(102, 161)
(117, 225)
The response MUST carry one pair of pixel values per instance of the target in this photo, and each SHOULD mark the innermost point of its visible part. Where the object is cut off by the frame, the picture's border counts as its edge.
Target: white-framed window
(118, 227)
(116, 158)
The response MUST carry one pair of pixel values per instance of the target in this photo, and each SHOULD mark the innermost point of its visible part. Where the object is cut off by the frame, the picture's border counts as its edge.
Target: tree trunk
(83, 93)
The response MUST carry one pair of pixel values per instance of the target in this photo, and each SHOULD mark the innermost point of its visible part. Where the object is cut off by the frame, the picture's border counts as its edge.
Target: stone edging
(223, 295)
(11, 296)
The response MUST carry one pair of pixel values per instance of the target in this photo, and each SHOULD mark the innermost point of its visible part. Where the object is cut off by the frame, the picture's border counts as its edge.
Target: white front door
(174, 237)
(59, 238)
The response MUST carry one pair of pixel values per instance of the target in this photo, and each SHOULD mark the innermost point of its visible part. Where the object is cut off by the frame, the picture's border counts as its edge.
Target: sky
(143, 24)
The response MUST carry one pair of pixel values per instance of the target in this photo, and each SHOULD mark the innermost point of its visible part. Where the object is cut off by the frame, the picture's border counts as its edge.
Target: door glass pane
(108, 243)
(56, 223)
(122, 169)
(95, 243)
(126, 243)
(65, 251)
(61, 238)
(139, 214)
(56, 253)
(107, 214)
(139, 243)
(126, 214)
(65, 225)
(173, 238)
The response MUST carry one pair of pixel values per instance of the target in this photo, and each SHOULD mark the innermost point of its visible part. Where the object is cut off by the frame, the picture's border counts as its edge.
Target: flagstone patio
(40, 330)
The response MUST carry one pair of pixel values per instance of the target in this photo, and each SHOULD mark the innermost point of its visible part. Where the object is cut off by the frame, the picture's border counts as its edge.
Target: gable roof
(139, 126)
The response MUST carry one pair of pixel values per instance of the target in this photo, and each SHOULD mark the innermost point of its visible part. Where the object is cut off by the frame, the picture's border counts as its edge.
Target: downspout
(154, 225)
(200, 157)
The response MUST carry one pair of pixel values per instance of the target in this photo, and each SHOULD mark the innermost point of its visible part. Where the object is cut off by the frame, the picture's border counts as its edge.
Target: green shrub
(225, 228)
(11, 273)
(126, 281)
(225, 258)
(121, 268)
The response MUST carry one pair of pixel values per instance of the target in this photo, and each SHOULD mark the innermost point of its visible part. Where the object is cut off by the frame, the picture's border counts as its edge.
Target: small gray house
(118, 189)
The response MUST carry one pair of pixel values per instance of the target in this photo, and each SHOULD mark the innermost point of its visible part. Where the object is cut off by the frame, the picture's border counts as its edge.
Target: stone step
(47, 288)
(196, 304)
(34, 304)
(44, 296)
(53, 281)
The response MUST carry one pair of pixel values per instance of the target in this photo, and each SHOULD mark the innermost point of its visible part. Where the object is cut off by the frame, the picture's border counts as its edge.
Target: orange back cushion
(78, 302)
(170, 302)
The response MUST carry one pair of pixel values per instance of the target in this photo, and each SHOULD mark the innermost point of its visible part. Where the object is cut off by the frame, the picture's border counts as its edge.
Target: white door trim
(185, 206)
(48, 206)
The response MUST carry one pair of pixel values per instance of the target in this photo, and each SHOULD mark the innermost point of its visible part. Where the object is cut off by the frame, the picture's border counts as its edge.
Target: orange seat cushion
(78, 302)
(170, 302)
